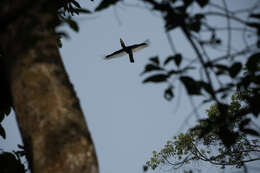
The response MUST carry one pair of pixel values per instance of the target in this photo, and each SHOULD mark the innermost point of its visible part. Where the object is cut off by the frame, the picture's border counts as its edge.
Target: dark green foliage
(243, 76)
(187, 147)
(10, 162)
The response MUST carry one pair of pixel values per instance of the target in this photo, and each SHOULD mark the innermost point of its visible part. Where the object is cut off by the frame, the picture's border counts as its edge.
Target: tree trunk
(49, 116)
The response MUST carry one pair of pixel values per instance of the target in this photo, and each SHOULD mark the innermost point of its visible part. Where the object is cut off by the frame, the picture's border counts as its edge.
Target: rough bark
(49, 116)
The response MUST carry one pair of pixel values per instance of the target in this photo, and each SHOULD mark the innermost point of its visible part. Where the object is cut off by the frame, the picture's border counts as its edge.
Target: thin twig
(229, 31)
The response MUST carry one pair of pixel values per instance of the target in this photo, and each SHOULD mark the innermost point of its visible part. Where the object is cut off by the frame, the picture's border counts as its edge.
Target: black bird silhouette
(127, 50)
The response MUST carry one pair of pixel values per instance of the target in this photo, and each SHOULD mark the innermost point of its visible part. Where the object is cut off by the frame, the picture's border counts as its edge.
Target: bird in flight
(127, 50)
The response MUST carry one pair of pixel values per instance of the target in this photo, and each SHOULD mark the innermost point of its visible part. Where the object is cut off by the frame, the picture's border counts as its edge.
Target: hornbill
(127, 50)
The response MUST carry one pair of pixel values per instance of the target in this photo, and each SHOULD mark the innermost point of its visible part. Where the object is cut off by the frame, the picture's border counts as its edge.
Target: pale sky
(127, 119)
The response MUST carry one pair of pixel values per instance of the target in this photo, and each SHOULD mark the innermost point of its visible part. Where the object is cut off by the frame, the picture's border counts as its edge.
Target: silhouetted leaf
(191, 85)
(2, 131)
(176, 58)
(151, 67)
(227, 137)
(235, 69)
(105, 4)
(253, 62)
(195, 26)
(202, 3)
(156, 78)
(2, 116)
(170, 58)
(155, 60)
(221, 69)
(250, 132)
(10, 164)
(168, 94)
(20, 153)
(82, 10)
(207, 87)
(62, 34)
(76, 3)
(256, 15)
(253, 24)
(171, 72)
(20, 146)
(145, 168)
(73, 25)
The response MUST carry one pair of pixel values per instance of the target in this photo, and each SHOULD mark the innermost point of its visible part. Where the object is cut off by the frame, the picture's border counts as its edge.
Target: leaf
(176, 58)
(2, 116)
(235, 69)
(82, 10)
(250, 132)
(155, 60)
(191, 85)
(20, 146)
(257, 15)
(171, 72)
(168, 94)
(2, 131)
(221, 69)
(202, 3)
(156, 78)
(62, 34)
(76, 3)
(105, 4)
(145, 168)
(151, 67)
(73, 25)
(195, 26)
(253, 24)
(253, 62)
(170, 58)
(207, 87)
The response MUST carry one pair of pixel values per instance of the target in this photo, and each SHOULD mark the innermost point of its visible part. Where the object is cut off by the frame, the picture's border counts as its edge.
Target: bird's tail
(131, 59)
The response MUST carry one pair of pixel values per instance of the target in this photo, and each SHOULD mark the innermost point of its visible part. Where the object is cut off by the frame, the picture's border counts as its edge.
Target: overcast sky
(127, 119)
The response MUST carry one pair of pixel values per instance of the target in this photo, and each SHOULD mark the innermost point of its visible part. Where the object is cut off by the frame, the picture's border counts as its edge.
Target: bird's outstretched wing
(137, 47)
(116, 54)
(131, 57)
